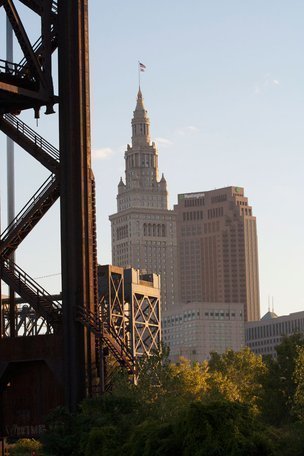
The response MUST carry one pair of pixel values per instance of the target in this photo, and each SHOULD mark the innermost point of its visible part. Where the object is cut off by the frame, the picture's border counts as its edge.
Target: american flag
(142, 67)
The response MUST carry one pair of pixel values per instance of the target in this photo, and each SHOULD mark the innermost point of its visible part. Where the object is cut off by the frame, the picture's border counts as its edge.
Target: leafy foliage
(281, 382)
(237, 376)
(25, 447)
(235, 404)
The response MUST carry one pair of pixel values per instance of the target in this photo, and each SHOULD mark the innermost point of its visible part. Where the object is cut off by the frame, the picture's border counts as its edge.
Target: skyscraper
(143, 228)
(217, 249)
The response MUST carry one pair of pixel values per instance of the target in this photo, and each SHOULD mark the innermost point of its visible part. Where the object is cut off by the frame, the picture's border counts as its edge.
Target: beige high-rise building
(143, 228)
(217, 249)
(196, 329)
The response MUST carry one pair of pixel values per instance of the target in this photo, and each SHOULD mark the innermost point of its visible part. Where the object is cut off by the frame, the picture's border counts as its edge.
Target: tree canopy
(236, 403)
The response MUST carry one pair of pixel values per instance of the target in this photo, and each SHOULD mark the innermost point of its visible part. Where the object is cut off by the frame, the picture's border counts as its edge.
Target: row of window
(122, 232)
(242, 203)
(223, 315)
(195, 202)
(138, 160)
(275, 329)
(276, 341)
(218, 198)
(142, 128)
(190, 315)
(193, 315)
(197, 229)
(193, 215)
(153, 229)
(216, 212)
(246, 211)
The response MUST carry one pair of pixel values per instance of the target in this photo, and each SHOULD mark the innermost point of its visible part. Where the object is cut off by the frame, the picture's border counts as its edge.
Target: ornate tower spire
(142, 187)
(140, 123)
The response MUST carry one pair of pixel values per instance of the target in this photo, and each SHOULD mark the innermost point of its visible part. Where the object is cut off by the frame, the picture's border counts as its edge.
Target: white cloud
(265, 84)
(164, 142)
(102, 154)
(190, 129)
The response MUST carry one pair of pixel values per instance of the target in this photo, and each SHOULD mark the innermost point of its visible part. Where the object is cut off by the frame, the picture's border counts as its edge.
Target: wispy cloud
(267, 83)
(164, 142)
(102, 153)
(190, 129)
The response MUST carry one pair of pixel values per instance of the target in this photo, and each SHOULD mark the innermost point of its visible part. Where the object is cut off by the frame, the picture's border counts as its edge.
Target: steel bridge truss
(130, 311)
(145, 324)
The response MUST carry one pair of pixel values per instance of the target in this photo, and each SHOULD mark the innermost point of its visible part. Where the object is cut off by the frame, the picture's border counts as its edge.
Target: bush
(25, 447)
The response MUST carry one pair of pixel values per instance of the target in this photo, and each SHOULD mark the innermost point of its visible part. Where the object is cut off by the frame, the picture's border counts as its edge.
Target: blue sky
(224, 92)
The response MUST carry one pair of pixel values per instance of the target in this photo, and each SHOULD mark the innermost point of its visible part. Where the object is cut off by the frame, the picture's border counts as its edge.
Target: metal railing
(38, 42)
(38, 196)
(109, 335)
(14, 69)
(32, 285)
(32, 135)
(54, 6)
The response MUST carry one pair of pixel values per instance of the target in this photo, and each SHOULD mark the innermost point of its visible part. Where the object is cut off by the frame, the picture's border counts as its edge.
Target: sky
(224, 91)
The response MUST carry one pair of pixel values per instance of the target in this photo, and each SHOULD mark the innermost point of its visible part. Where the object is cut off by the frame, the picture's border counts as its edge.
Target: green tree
(280, 384)
(63, 433)
(298, 377)
(202, 429)
(237, 376)
(26, 447)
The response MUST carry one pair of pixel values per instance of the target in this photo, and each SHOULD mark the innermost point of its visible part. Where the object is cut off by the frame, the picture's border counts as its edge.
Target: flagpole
(141, 67)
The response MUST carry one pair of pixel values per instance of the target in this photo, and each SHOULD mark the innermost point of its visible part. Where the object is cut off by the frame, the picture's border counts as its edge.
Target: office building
(217, 249)
(263, 336)
(197, 329)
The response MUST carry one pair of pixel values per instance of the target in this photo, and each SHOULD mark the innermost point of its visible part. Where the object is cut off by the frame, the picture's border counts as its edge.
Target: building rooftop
(269, 316)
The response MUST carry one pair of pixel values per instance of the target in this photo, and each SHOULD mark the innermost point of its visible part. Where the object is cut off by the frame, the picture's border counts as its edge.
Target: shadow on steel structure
(51, 350)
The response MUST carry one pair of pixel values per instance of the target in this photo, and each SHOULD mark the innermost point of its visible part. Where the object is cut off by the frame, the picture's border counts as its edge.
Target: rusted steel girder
(77, 221)
(29, 84)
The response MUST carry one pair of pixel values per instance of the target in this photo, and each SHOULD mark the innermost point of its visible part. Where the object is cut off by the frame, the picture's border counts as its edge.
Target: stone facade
(197, 328)
(217, 249)
(144, 228)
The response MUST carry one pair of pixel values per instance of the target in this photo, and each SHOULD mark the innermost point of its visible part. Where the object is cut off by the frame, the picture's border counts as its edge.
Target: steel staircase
(29, 216)
(35, 5)
(26, 287)
(38, 46)
(23, 40)
(107, 334)
(29, 140)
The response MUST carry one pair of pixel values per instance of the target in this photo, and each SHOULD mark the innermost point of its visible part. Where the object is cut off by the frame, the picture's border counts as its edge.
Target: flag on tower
(142, 67)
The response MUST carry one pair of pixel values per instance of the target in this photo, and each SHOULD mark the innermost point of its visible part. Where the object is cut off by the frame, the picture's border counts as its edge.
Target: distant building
(200, 328)
(143, 228)
(264, 335)
(131, 306)
(142, 297)
(205, 251)
(217, 249)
